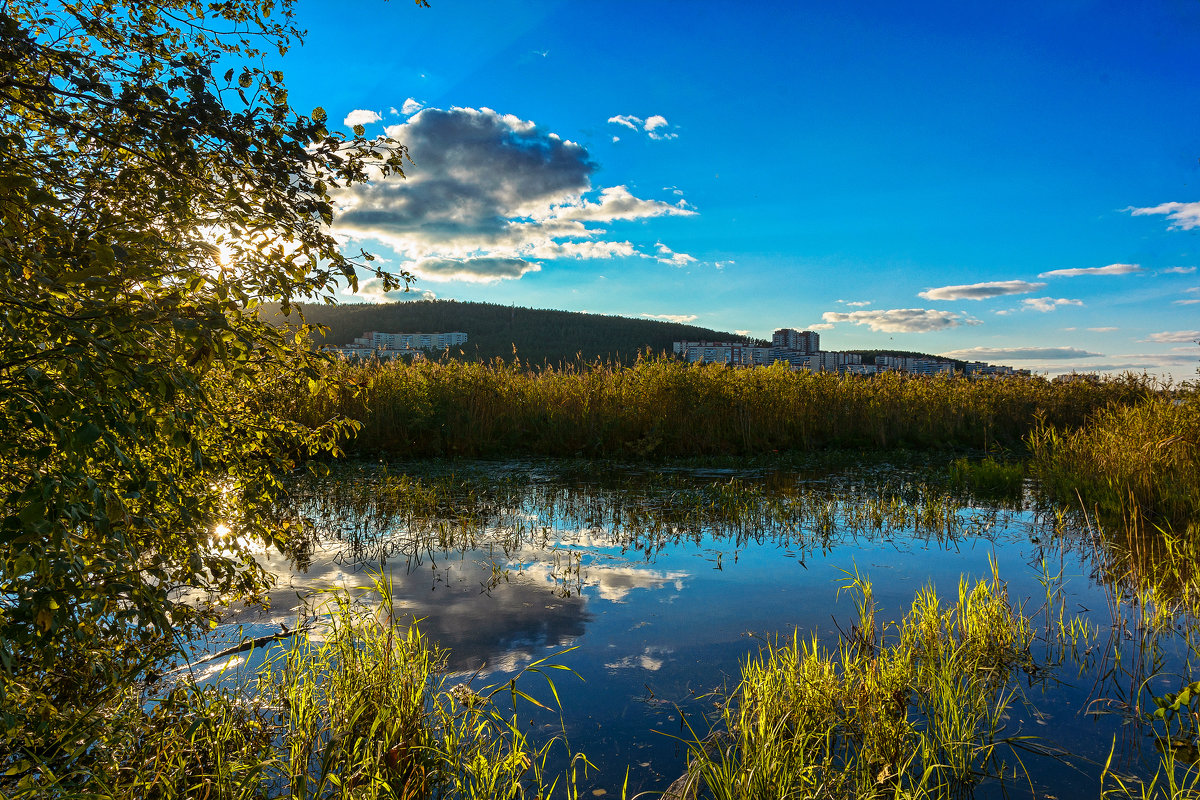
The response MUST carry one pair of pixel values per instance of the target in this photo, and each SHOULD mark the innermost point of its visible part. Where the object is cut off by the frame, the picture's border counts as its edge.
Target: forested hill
(539, 335)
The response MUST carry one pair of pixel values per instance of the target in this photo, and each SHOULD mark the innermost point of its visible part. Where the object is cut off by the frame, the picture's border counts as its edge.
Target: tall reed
(1141, 459)
(664, 407)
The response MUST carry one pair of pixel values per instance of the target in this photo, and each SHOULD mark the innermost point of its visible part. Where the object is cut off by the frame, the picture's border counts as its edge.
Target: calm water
(665, 580)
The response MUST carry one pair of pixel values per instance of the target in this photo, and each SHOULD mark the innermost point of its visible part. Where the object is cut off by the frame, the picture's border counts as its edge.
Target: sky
(1017, 183)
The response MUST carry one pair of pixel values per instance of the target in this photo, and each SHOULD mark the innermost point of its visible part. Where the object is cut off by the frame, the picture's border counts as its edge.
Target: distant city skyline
(1015, 183)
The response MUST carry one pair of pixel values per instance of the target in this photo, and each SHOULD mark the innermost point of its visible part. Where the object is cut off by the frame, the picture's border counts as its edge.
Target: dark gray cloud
(490, 191)
(474, 269)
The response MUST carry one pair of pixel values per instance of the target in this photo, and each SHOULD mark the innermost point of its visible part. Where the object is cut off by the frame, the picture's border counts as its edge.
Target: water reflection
(667, 580)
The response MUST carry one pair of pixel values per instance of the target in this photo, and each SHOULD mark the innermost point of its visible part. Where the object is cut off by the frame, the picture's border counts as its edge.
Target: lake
(665, 579)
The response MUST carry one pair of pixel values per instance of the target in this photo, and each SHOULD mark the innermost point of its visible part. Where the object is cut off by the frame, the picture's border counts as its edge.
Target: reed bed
(1130, 460)
(663, 407)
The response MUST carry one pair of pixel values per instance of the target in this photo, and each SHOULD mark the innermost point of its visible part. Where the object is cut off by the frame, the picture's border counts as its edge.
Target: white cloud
(980, 291)
(372, 291)
(628, 120)
(655, 126)
(855, 303)
(1111, 269)
(820, 326)
(1105, 329)
(902, 320)
(1046, 304)
(724, 264)
(1183, 216)
(680, 318)
(616, 139)
(740, 332)
(616, 202)
(411, 106)
(1180, 270)
(1173, 336)
(666, 255)
(393, 111)
(490, 194)
(361, 116)
(1018, 353)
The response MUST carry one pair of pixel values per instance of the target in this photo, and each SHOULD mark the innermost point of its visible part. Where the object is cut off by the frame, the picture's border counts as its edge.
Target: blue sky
(1018, 183)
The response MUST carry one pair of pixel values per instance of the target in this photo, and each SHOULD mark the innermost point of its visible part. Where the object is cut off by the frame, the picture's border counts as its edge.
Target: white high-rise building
(802, 341)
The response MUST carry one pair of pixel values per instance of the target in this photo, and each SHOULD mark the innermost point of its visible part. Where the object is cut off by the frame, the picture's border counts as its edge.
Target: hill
(538, 335)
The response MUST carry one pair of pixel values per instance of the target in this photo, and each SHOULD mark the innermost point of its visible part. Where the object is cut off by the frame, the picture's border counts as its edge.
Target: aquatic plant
(914, 709)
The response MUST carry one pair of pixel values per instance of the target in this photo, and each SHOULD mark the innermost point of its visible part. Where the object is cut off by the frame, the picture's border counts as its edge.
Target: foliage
(664, 407)
(148, 205)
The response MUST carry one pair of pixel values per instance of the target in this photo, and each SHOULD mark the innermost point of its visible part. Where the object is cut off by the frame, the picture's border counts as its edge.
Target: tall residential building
(411, 341)
(802, 341)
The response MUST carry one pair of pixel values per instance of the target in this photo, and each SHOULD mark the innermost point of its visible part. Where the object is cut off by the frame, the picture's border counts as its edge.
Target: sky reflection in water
(665, 583)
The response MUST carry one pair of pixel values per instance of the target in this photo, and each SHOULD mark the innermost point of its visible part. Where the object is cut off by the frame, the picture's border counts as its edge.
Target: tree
(151, 198)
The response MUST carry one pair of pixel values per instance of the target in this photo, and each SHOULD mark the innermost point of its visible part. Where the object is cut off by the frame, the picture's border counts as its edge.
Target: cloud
(980, 291)
(1183, 216)
(855, 303)
(472, 270)
(680, 318)
(1173, 336)
(411, 106)
(1111, 269)
(1105, 329)
(1046, 304)
(820, 326)
(1019, 353)
(371, 291)
(360, 116)
(488, 194)
(1186, 302)
(655, 126)
(902, 320)
(666, 255)
(627, 120)
(617, 203)
(741, 332)
(1180, 270)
